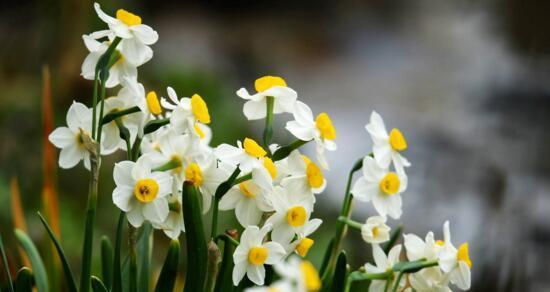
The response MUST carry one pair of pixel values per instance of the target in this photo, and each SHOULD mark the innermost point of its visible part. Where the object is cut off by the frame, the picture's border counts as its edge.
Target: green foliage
(40, 275)
(24, 281)
(168, 274)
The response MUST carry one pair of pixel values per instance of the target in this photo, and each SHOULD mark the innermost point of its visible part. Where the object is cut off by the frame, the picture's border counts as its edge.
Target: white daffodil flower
(383, 264)
(70, 139)
(387, 147)
(252, 253)
(302, 244)
(301, 273)
(292, 211)
(249, 201)
(110, 130)
(173, 226)
(305, 176)
(150, 143)
(429, 280)
(187, 113)
(118, 71)
(206, 176)
(140, 192)
(136, 37)
(320, 129)
(375, 230)
(455, 262)
(256, 106)
(382, 187)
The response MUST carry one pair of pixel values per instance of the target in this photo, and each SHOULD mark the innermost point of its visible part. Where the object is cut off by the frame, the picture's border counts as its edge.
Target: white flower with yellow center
(292, 212)
(206, 176)
(305, 176)
(382, 187)
(387, 147)
(71, 139)
(455, 262)
(136, 37)
(320, 129)
(173, 226)
(117, 72)
(249, 201)
(252, 254)
(302, 244)
(375, 230)
(110, 130)
(301, 274)
(384, 264)
(188, 114)
(140, 192)
(256, 106)
(148, 103)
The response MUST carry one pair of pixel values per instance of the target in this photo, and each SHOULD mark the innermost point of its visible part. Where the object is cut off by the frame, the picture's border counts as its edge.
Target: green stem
(117, 268)
(168, 165)
(353, 224)
(228, 238)
(115, 115)
(396, 284)
(154, 125)
(132, 239)
(285, 151)
(94, 102)
(242, 179)
(340, 226)
(268, 131)
(222, 189)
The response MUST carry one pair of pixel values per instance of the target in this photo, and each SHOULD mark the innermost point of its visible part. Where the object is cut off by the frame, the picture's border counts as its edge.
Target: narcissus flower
(455, 262)
(252, 254)
(173, 225)
(136, 37)
(248, 155)
(283, 97)
(375, 230)
(249, 201)
(382, 187)
(305, 176)
(387, 147)
(302, 244)
(140, 192)
(383, 264)
(292, 212)
(71, 139)
(301, 273)
(187, 113)
(118, 71)
(320, 129)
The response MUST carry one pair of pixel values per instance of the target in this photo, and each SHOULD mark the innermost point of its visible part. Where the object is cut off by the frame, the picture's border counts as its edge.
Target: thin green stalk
(353, 224)
(118, 114)
(227, 238)
(132, 239)
(242, 179)
(168, 165)
(94, 102)
(285, 151)
(268, 131)
(102, 98)
(340, 226)
(222, 189)
(5, 263)
(396, 284)
(117, 268)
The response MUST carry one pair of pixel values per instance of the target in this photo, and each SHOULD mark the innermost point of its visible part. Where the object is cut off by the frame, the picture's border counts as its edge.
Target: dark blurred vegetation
(499, 157)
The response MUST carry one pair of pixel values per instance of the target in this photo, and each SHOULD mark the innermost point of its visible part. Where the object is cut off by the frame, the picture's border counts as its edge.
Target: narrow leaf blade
(40, 274)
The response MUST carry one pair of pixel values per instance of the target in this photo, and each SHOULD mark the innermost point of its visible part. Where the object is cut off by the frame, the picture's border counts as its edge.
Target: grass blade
(5, 264)
(97, 285)
(145, 253)
(40, 275)
(24, 281)
(117, 268)
(340, 273)
(224, 281)
(71, 285)
(107, 261)
(169, 272)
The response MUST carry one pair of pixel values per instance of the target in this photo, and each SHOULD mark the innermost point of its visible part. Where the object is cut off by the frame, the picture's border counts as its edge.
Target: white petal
(135, 217)
(76, 115)
(122, 173)
(393, 255)
(135, 52)
(256, 274)
(230, 199)
(145, 34)
(122, 198)
(156, 211)
(380, 257)
(414, 246)
(238, 273)
(275, 254)
(254, 110)
(70, 156)
(62, 137)
(285, 98)
(106, 18)
(364, 190)
(299, 131)
(302, 114)
(247, 212)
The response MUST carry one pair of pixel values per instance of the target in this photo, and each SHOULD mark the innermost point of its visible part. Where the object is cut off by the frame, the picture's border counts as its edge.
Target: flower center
(463, 255)
(257, 255)
(245, 190)
(390, 184)
(375, 231)
(252, 148)
(440, 242)
(127, 17)
(314, 175)
(153, 103)
(199, 131)
(303, 247)
(324, 124)
(270, 166)
(199, 108)
(397, 140)
(311, 277)
(266, 82)
(296, 216)
(146, 190)
(193, 174)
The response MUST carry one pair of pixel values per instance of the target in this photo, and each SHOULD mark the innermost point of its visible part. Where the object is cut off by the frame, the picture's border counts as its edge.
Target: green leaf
(326, 258)
(97, 285)
(285, 151)
(155, 125)
(169, 272)
(340, 273)
(145, 253)
(194, 236)
(107, 261)
(40, 274)
(117, 272)
(71, 284)
(393, 239)
(5, 264)
(24, 281)
(225, 282)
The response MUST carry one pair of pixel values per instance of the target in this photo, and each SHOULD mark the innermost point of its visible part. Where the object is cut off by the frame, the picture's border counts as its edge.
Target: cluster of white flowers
(273, 196)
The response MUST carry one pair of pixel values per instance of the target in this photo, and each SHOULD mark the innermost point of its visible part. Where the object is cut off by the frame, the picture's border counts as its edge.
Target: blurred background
(465, 81)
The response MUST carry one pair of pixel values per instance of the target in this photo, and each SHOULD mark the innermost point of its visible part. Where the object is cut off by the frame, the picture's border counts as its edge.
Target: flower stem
(396, 284)
(242, 179)
(285, 151)
(115, 115)
(268, 131)
(227, 238)
(132, 239)
(351, 223)
(222, 189)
